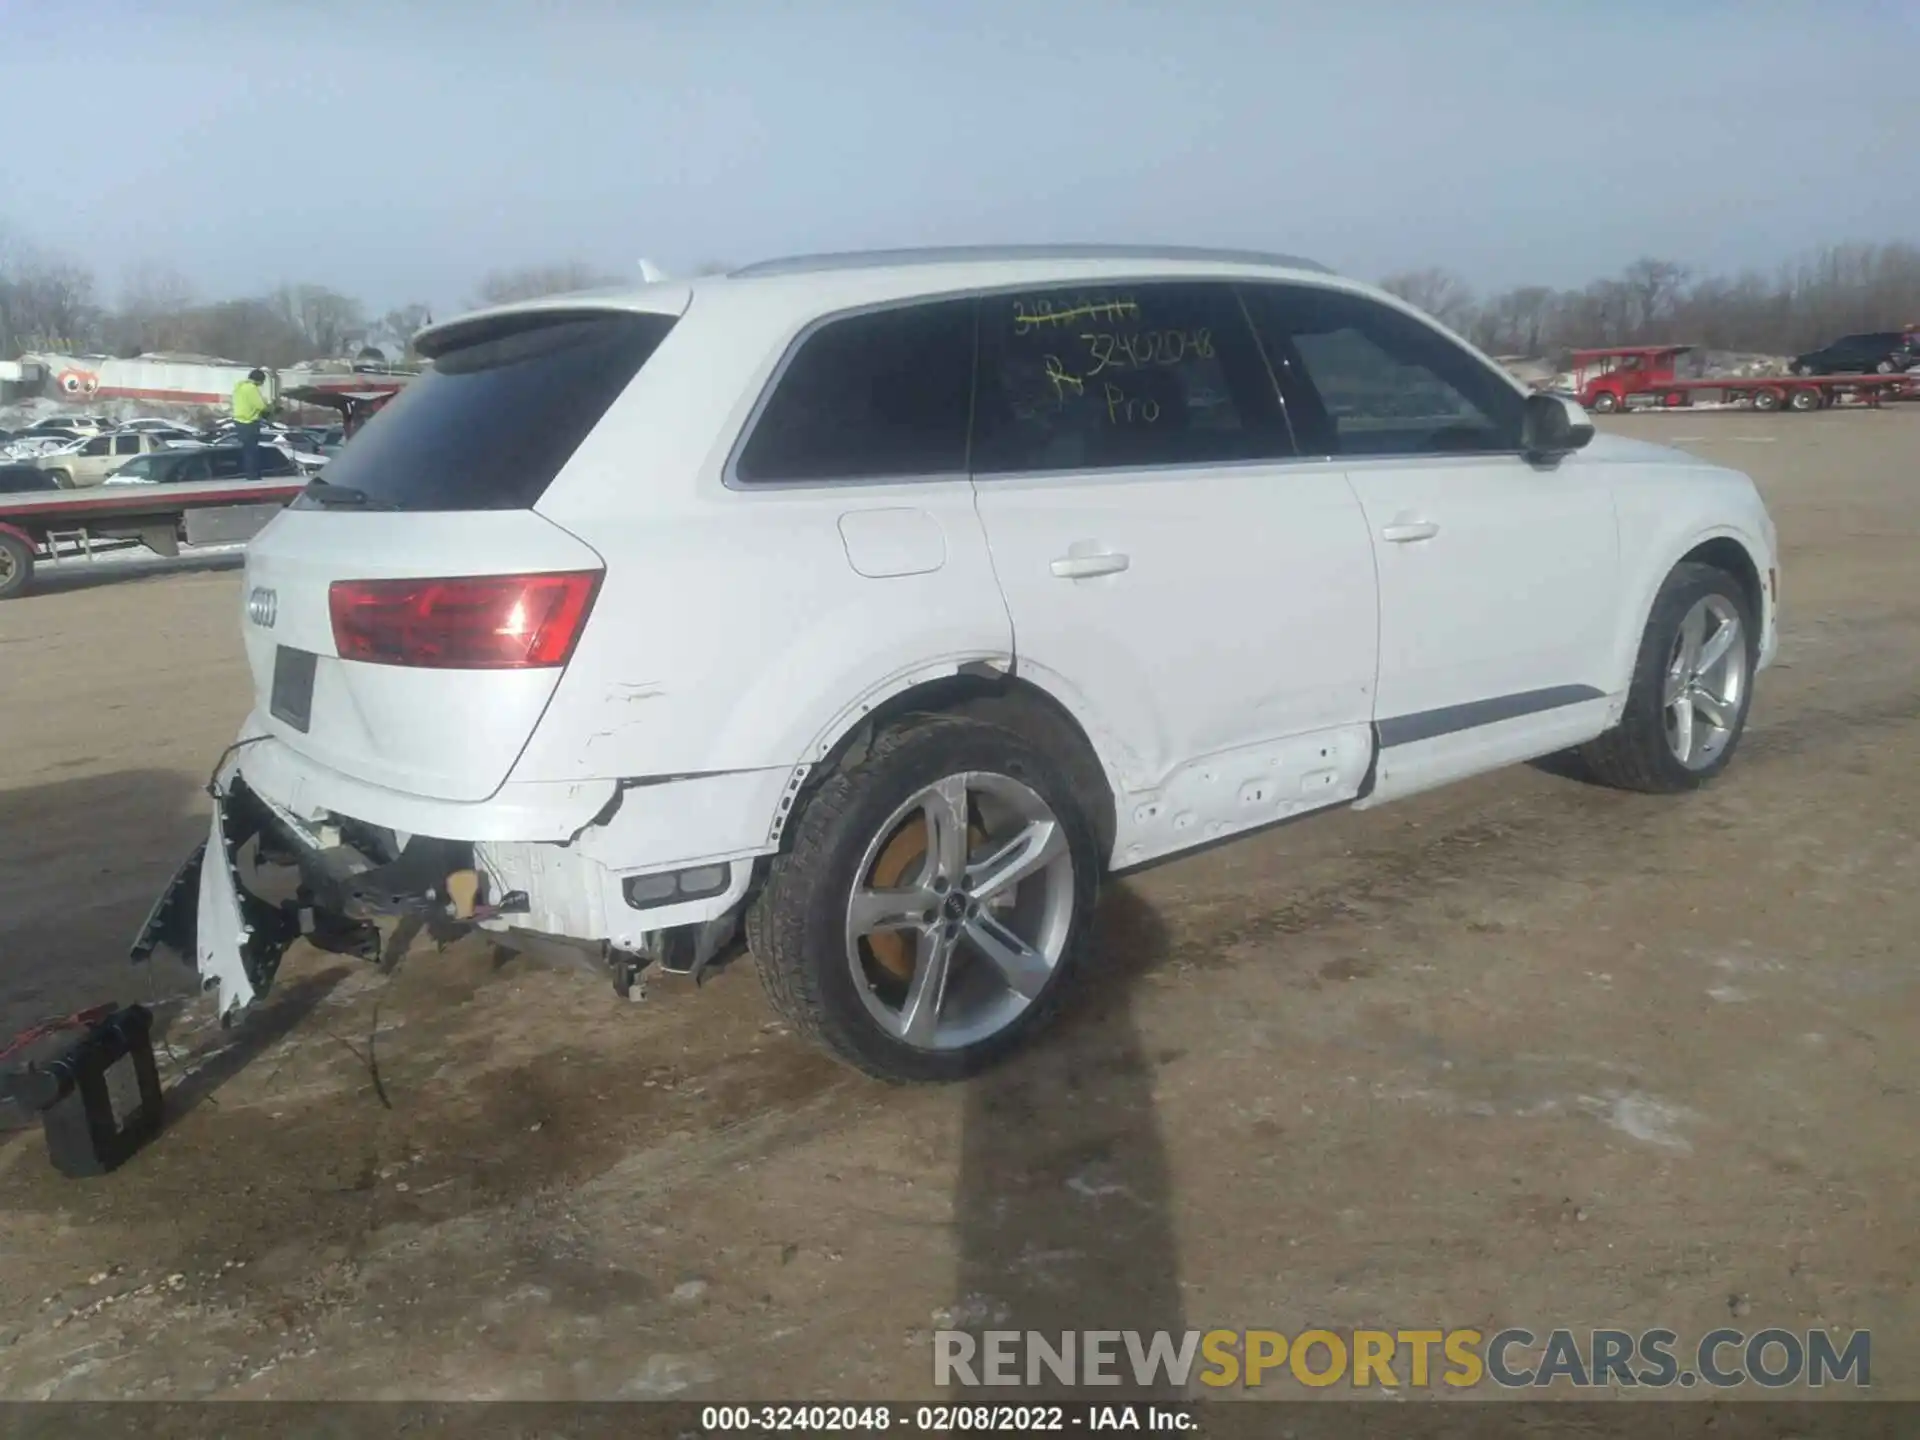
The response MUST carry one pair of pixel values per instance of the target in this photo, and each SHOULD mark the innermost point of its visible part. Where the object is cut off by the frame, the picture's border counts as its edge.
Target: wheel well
(1014, 704)
(1732, 557)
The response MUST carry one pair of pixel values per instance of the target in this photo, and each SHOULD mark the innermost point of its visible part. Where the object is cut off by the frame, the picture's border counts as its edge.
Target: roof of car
(822, 284)
(1015, 255)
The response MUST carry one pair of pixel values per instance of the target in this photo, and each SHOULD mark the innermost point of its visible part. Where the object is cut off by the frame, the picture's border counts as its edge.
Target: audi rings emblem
(262, 606)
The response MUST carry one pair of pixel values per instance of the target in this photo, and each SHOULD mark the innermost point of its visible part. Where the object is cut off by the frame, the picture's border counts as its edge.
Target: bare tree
(330, 323)
(254, 332)
(1442, 294)
(398, 327)
(155, 312)
(532, 281)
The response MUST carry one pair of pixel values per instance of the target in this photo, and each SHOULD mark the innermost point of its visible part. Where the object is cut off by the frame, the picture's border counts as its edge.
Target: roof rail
(961, 254)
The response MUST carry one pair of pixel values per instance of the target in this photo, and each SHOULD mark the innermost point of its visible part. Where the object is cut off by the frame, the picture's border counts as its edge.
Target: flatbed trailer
(41, 526)
(1641, 377)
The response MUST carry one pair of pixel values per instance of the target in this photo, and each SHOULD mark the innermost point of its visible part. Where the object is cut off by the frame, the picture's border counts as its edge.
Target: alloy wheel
(961, 911)
(1706, 682)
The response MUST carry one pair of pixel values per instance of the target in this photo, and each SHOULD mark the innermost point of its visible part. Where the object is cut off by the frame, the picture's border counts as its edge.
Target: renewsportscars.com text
(1405, 1359)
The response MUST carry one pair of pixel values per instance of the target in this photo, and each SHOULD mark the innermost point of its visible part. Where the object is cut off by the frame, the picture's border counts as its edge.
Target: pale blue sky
(1514, 141)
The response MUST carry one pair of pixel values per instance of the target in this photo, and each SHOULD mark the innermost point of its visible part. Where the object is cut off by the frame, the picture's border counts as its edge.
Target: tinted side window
(501, 411)
(870, 396)
(97, 446)
(274, 461)
(1109, 377)
(1362, 378)
(226, 464)
(126, 444)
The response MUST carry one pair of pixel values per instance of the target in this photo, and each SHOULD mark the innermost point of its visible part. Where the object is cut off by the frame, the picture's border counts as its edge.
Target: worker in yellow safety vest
(249, 409)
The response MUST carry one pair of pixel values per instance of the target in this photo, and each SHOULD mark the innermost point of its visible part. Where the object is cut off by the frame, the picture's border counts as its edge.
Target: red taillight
(486, 622)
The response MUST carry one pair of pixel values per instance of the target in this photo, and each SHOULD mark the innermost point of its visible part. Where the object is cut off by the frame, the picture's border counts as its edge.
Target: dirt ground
(1523, 1052)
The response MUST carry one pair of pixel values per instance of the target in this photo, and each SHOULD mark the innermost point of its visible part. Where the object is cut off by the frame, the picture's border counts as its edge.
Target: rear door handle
(1405, 532)
(1080, 567)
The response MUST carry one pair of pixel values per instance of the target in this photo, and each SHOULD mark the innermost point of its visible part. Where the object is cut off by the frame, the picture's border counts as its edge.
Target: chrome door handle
(1408, 531)
(1080, 567)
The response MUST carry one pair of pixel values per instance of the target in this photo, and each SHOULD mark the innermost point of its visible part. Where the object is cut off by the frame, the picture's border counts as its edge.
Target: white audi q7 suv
(876, 607)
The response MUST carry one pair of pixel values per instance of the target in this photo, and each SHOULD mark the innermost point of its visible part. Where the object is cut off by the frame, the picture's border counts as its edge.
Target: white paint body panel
(388, 725)
(1514, 589)
(1244, 619)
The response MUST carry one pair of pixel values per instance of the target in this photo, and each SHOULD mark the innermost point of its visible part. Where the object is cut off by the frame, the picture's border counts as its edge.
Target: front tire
(1605, 403)
(1692, 687)
(935, 903)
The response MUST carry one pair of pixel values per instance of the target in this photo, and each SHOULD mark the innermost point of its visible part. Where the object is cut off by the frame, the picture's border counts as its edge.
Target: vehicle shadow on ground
(1064, 1203)
(71, 575)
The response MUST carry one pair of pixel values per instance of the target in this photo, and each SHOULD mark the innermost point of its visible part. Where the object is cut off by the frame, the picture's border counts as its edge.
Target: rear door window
(1116, 377)
(226, 464)
(498, 414)
(882, 395)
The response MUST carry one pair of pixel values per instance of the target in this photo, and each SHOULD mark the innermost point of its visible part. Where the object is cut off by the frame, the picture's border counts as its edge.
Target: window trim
(1439, 331)
(1237, 284)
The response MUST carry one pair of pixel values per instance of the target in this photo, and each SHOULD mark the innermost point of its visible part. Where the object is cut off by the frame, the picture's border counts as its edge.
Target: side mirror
(1552, 426)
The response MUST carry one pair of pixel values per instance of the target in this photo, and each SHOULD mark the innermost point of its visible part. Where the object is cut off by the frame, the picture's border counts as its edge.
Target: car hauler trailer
(39, 526)
(1642, 377)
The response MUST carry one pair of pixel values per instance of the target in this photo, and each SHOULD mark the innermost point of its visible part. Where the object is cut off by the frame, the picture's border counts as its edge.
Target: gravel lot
(1521, 1052)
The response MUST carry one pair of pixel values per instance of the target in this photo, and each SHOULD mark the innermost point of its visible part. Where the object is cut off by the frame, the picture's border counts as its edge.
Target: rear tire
(1804, 400)
(16, 566)
(821, 957)
(1767, 400)
(1641, 752)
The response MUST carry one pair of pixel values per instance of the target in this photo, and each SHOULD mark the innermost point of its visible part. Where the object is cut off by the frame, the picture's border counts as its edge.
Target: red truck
(1623, 377)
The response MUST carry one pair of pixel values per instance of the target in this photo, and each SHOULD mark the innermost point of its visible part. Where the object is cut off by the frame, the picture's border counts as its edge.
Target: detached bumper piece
(236, 939)
(99, 1101)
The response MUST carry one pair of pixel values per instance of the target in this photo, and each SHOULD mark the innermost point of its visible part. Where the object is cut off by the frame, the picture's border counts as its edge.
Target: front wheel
(16, 565)
(62, 479)
(1692, 685)
(1885, 367)
(935, 903)
(1605, 403)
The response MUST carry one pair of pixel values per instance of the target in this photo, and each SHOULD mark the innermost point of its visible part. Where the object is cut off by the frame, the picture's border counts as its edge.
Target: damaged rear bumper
(340, 872)
(210, 915)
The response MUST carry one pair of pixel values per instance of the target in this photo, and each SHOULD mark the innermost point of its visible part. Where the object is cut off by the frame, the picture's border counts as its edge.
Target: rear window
(495, 419)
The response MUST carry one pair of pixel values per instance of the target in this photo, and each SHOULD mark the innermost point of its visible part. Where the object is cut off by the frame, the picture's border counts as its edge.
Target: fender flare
(994, 669)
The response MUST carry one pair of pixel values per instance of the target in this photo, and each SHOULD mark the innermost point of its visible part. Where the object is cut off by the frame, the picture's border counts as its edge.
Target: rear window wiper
(328, 496)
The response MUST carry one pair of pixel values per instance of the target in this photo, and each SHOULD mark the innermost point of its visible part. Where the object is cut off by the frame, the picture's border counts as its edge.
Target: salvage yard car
(88, 461)
(192, 466)
(880, 606)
